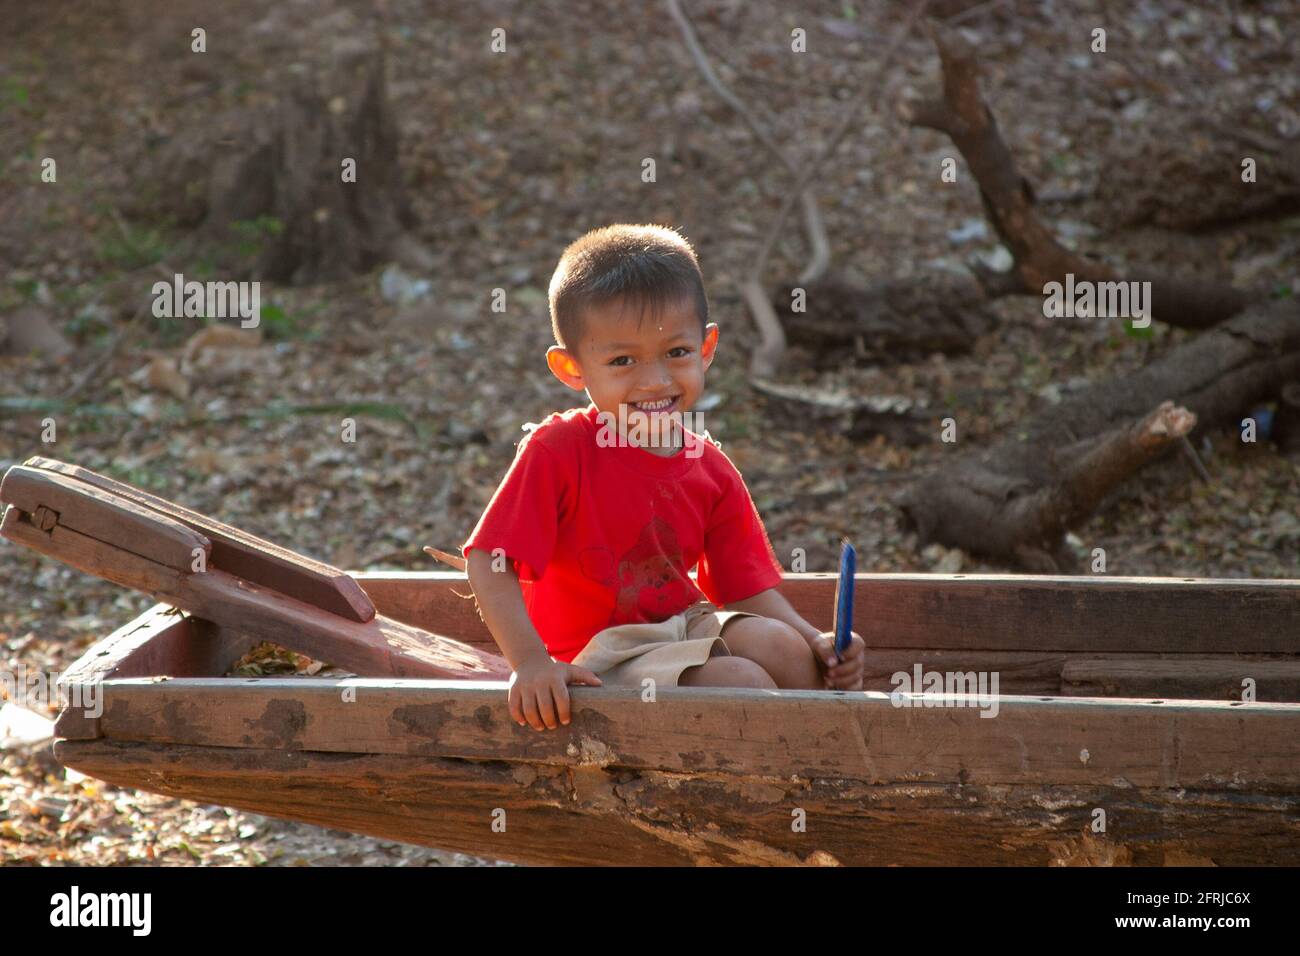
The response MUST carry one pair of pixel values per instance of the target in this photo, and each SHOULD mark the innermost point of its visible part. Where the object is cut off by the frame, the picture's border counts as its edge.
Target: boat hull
(1030, 775)
(556, 815)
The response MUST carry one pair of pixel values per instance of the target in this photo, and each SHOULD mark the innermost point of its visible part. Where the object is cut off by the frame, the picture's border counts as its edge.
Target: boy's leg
(776, 647)
(723, 670)
(726, 671)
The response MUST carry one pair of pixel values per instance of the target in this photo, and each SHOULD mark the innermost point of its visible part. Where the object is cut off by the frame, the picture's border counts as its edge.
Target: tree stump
(274, 185)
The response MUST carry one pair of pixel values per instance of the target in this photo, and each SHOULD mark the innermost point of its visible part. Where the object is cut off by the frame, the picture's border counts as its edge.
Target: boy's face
(654, 370)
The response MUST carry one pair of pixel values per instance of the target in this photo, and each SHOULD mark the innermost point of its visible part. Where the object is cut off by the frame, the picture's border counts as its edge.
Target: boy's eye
(682, 349)
(620, 360)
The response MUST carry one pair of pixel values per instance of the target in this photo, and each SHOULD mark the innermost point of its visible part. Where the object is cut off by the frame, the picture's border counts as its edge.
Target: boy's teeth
(651, 406)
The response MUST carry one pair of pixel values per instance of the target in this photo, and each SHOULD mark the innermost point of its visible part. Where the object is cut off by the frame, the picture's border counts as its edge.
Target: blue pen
(844, 599)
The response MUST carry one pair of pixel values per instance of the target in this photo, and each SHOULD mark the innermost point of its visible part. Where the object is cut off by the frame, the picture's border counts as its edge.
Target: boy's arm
(501, 604)
(538, 694)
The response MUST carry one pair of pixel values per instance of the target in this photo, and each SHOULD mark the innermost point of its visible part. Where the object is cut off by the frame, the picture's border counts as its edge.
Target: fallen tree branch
(1014, 501)
(1090, 469)
(890, 318)
(962, 115)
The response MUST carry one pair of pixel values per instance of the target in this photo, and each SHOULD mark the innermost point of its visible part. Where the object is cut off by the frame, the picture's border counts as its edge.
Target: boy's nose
(658, 375)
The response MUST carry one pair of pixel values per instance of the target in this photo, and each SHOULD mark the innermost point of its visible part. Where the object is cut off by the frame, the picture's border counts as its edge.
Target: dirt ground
(508, 158)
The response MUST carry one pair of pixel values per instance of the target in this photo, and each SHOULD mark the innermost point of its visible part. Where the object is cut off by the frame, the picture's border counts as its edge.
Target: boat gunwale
(684, 695)
(860, 736)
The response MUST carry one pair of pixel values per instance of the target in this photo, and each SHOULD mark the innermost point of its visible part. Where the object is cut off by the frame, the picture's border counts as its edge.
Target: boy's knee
(780, 635)
(794, 666)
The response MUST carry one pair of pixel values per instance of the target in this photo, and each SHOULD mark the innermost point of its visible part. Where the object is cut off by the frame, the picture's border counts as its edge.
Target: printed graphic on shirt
(647, 584)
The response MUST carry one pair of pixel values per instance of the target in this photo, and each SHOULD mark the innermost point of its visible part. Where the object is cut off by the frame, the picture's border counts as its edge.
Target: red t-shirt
(607, 535)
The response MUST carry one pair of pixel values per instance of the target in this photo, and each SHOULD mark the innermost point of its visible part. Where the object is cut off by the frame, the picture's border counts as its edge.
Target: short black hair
(647, 265)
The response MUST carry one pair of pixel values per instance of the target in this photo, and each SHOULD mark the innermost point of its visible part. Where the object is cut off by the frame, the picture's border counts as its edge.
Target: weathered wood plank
(381, 646)
(1039, 674)
(861, 736)
(239, 553)
(107, 517)
(428, 599)
(164, 641)
(966, 612)
(1010, 612)
(1209, 679)
(610, 816)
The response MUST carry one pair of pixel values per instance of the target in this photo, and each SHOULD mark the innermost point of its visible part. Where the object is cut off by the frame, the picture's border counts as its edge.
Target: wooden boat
(1118, 733)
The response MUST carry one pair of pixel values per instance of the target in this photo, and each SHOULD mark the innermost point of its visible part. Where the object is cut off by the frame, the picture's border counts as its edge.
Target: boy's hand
(539, 693)
(846, 674)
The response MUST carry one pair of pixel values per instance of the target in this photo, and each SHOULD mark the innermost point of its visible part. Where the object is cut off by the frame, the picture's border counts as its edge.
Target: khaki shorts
(629, 653)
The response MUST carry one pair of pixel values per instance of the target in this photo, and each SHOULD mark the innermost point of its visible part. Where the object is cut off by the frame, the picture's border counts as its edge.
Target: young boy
(580, 562)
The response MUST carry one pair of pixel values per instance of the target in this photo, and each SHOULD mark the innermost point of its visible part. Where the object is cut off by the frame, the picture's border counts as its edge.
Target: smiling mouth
(658, 405)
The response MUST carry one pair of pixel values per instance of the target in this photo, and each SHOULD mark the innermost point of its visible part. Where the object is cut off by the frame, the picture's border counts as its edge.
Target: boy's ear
(710, 343)
(564, 367)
